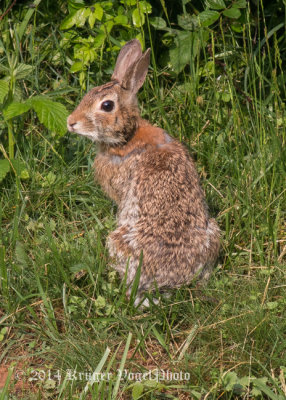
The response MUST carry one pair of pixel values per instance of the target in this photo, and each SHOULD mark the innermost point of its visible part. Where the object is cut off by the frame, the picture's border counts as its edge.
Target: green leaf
(21, 255)
(187, 45)
(188, 22)
(99, 39)
(232, 13)
(239, 4)
(22, 71)
(96, 14)
(271, 305)
(197, 395)
(4, 169)
(52, 114)
(4, 330)
(81, 15)
(50, 384)
(158, 23)
(74, 5)
(14, 109)
(69, 21)
(20, 169)
(77, 18)
(121, 20)
(107, 26)
(225, 97)
(4, 89)
(208, 17)
(216, 4)
(86, 54)
(137, 390)
(138, 18)
(145, 7)
(129, 2)
(100, 302)
(229, 380)
(237, 27)
(91, 19)
(261, 386)
(77, 66)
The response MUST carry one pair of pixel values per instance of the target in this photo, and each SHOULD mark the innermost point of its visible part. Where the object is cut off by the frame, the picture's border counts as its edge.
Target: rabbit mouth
(96, 135)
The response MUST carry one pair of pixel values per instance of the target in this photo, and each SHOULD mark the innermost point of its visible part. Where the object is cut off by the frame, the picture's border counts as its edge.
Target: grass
(63, 310)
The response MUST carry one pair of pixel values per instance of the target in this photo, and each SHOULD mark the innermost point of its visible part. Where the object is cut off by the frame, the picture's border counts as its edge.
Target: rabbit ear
(136, 74)
(129, 54)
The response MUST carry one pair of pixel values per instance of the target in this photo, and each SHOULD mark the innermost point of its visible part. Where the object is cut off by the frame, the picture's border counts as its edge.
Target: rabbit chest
(116, 169)
(115, 174)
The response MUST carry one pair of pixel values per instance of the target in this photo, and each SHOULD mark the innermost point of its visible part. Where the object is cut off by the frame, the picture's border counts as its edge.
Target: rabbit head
(109, 113)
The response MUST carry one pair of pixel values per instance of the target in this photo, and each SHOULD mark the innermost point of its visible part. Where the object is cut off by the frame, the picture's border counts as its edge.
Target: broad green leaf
(96, 14)
(229, 380)
(100, 302)
(99, 39)
(208, 17)
(261, 386)
(187, 46)
(225, 97)
(4, 89)
(137, 390)
(81, 15)
(145, 7)
(22, 71)
(216, 4)
(107, 26)
(158, 23)
(69, 21)
(91, 19)
(74, 5)
(52, 114)
(188, 22)
(4, 169)
(14, 109)
(138, 18)
(232, 13)
(98, 11)
(239, 4)
(77, 66)
(129, 2)
(121, 20)
(271, 305)
(77, 18)
(237, 27)
(86, 54)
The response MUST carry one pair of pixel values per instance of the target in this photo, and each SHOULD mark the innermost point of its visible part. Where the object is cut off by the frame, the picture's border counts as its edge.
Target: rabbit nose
(71, 124)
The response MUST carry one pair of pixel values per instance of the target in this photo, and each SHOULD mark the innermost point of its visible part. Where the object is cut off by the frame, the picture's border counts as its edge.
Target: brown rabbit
(161, 207)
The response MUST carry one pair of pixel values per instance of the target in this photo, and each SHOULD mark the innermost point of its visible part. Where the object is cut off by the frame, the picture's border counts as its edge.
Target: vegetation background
(217, 82)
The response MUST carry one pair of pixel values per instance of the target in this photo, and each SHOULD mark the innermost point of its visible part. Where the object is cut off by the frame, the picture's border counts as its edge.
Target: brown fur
(144, 135)
(161, 206)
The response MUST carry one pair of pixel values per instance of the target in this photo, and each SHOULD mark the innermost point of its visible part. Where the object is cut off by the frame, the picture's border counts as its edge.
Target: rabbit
(162, 212)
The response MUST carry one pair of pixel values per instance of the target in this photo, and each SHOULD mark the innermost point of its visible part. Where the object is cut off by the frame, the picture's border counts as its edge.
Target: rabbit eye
(107, 105)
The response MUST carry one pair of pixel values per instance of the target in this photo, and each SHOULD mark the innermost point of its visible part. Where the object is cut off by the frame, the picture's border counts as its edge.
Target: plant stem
(11, 140)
